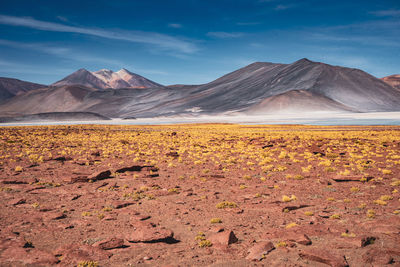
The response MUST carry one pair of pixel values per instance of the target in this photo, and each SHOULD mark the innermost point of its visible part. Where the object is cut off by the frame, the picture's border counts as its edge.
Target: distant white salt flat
(375, 118)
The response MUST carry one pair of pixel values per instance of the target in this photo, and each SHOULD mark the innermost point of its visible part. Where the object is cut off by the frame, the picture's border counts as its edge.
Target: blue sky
(193, 41)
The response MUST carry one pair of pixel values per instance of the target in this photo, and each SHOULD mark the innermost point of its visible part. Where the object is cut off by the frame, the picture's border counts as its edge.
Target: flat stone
(223, 238)
(20, 180)
(30, 256)
(324, 256)
(110, 243)
(302, 239)
(378, 257)
(258, 251)
(16, 201)
(121, 204)
(94, 177)
(72, 254)
(54, 216)
(147, 232)
(138, 217)
(100, 175)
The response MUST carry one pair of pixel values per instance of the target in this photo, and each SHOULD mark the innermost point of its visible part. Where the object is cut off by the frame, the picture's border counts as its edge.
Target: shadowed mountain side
(393, 80)
(110, 102)
(55, 116)
(52, 99)
(296, 101)
(250, 85)
(10, 87)
(123, 103)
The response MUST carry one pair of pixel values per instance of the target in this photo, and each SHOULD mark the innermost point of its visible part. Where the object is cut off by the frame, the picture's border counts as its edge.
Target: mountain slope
(55, 116)
(393, 80)
(52, 99)
(10, 87)
(82, 77)
(296, 101)
(252, 84)
(259, 88)
(124, 79)
(107, 102)
(104, 79)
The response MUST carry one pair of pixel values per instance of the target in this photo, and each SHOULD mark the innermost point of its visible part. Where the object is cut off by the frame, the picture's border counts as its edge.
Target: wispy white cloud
(258, 45)
(159, 40)
(281, 7)
(225, 35)
(64, 19)
(175, 25)
(361, 39)
(7, 66)
(387, 13)
(45, 48)
(247, 23)
(61, 52)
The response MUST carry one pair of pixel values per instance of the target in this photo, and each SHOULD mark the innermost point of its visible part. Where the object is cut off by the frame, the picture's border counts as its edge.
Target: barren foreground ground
(180, 195)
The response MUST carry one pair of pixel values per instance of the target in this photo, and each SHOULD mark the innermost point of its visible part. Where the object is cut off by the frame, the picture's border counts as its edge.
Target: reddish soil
(190, 195)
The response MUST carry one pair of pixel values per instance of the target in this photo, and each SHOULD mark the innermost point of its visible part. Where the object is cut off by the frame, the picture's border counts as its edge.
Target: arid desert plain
(199, 195)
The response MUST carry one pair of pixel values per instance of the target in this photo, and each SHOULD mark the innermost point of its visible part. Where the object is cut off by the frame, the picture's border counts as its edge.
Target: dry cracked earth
(199, 195)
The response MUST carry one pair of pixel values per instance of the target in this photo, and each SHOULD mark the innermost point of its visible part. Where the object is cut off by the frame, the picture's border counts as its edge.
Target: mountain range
(105, 78)
(393, 80)
(10, 87)
(257, 89)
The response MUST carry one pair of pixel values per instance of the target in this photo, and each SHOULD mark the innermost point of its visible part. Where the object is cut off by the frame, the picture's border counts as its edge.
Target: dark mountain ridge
(259, 88)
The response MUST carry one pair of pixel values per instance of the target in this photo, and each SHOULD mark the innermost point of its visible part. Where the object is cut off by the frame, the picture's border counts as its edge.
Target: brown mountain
(393, 80)
(259, 88)
(296, 101)
(10, 87)
(52, 99)
(104, 79)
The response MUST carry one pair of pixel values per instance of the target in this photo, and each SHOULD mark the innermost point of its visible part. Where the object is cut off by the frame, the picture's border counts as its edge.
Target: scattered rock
(100, 176)
(78, 179)
(173, 154)
(74, 253)
(110, 243)
(137, 168)
(94, 177)
(54, 216)
(17, 201)
(121, 204)
(75, 197)
(30, 257)
(224, 238)
(62, 158)
(290, 208)
(217, 229)
(367, 240)
(378, 257)
(20, 180)
(260, 250)
(109, 217)
(147, 232)
(299, 238)
(341, 179)
(138, 217)
(324, 256)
